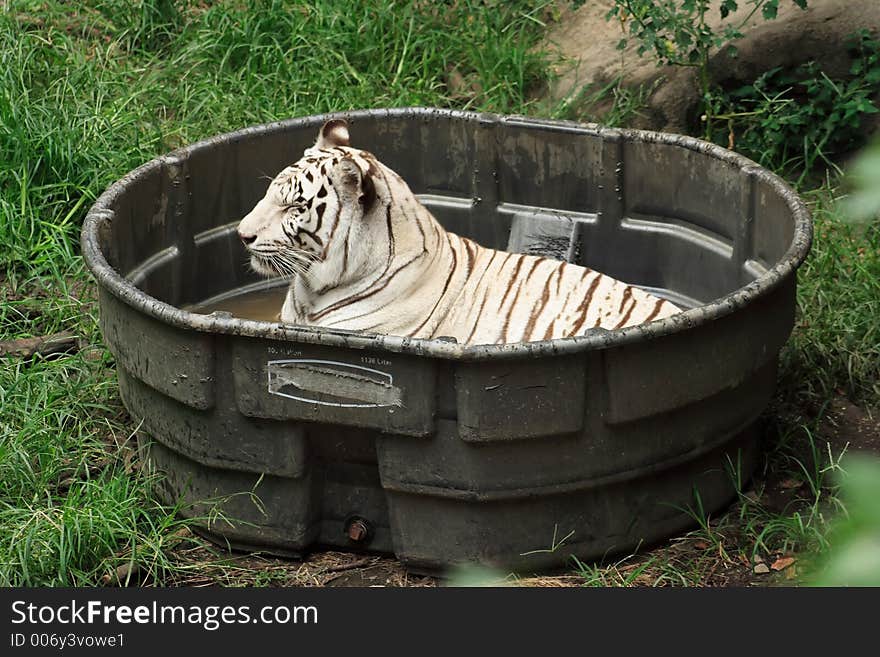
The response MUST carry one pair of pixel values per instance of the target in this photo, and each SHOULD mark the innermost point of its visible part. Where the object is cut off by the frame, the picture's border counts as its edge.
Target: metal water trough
(516, 456)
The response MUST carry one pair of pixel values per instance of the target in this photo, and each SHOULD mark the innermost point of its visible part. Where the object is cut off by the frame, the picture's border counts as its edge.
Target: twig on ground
(47, 345)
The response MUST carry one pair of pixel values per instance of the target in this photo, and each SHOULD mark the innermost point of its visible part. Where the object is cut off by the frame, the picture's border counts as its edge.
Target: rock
(588, 46)
(762, 569)
(782, 563)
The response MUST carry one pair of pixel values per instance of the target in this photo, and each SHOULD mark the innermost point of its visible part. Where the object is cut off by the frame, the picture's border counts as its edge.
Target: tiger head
(312, 209)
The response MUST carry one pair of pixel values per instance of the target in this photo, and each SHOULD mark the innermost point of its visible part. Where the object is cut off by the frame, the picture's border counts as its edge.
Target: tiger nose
(247, 239)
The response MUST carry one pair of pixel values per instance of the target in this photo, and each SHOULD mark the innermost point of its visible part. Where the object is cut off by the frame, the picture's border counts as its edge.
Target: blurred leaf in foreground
(864, 203)
(854, 559)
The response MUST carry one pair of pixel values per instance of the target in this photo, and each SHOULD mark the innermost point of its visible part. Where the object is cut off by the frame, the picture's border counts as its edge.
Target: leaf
(731, 33)
(770, 9)
(865, 175)
(728, 6)
(782, 563)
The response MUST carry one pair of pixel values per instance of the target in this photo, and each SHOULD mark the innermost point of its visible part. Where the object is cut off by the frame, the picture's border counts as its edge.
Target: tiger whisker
(295, 263)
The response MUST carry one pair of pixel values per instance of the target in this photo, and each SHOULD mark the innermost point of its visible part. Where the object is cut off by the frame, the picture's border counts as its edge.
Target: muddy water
(263, 305)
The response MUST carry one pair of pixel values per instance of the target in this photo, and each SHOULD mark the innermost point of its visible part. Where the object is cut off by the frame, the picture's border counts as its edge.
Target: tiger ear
(333, 133)
(357, 183)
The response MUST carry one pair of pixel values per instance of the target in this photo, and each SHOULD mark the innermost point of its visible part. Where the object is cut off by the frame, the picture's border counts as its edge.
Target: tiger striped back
(366, 255)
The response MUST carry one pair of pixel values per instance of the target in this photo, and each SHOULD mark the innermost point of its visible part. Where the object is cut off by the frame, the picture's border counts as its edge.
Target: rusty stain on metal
(357, 530)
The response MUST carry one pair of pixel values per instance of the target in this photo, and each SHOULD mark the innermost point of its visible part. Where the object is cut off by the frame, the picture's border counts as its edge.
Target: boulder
(587, 44)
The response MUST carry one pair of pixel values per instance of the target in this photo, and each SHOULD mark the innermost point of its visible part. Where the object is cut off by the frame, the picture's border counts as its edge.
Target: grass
(837, 342)
(90, 90)
(613, 104)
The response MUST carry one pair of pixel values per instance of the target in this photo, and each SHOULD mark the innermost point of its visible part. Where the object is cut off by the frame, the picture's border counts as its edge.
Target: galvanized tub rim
(101, 214)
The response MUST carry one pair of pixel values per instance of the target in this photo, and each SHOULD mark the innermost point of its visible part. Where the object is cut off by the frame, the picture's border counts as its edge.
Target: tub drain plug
(357, 530)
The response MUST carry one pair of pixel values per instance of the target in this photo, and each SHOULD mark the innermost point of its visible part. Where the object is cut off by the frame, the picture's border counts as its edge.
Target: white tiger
(365, 255)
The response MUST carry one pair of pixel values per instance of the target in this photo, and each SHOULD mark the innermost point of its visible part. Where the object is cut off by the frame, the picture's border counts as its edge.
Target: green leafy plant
(678, 34)
(800, 118)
